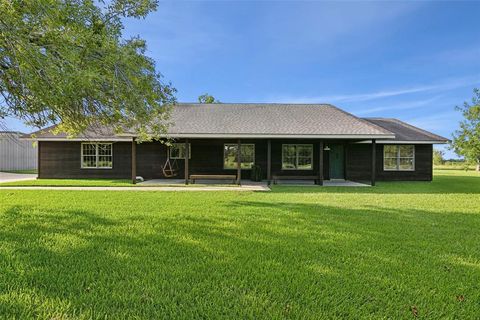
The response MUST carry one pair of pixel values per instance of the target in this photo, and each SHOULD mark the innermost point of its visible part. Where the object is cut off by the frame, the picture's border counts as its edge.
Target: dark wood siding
(61, 159)
(359, 162)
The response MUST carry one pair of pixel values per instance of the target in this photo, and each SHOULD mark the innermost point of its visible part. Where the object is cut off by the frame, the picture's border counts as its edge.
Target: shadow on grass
(441, 184)
(251, 259)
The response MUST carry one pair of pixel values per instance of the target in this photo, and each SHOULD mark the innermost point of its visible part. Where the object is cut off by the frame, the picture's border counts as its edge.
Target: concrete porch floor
(249, 183)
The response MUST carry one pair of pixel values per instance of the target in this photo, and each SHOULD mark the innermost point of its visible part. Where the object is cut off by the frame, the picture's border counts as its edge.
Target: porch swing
(170, 168)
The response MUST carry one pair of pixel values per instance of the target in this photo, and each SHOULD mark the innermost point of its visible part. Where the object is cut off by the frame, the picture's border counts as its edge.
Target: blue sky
(410, 60)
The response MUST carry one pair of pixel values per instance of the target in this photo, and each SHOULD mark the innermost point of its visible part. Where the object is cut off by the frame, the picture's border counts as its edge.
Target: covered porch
(254, 185)
(326, 162)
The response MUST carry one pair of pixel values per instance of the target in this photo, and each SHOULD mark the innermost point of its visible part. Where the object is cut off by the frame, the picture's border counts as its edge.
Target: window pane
(305, 151)
(390, 163)
(230, 156)
(305, 154)
(289, 156)
(288, 163)
(247, 156)
(89, 149)
(406, 164)
(304, 163)
(289, 150)
(176, 151)
(390, 151)
(89, 162)
(406, 151)
(104, 161)
(104, 149)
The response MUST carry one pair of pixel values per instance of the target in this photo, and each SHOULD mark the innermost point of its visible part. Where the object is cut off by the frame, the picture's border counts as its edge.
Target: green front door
(337, 162)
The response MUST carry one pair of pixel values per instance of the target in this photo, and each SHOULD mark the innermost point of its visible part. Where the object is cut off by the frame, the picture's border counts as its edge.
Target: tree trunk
(478, 164)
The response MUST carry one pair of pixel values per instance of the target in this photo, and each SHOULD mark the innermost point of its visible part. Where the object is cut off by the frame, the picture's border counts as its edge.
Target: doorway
(337, 161)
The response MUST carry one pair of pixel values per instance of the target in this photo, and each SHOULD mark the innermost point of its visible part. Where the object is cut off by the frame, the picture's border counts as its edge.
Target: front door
(337, 168)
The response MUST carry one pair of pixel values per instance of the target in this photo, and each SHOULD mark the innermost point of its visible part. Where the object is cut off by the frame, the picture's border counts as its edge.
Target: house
(15, 153)
(286, 141)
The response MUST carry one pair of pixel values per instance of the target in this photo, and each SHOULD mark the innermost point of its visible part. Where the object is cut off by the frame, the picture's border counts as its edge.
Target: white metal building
(16, 154)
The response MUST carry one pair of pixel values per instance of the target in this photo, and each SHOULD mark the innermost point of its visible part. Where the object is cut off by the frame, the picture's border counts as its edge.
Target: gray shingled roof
(269, 120)
(406, 132)
(254, 120)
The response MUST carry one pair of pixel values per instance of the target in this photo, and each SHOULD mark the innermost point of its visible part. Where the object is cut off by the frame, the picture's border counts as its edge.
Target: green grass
(32, 171)
(71, 183)
(295, 252)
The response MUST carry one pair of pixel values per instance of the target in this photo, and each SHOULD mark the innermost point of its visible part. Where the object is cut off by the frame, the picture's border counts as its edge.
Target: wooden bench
(232, 177)
(276, 178)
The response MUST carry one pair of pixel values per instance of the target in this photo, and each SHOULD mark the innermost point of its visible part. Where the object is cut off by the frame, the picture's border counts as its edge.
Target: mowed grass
(399, 250)
(70, 183)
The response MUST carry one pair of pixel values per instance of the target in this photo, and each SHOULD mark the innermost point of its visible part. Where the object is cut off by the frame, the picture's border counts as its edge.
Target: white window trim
(96, 155)
(180, 144)
(235, 144)
(296, 156)
(398, 158)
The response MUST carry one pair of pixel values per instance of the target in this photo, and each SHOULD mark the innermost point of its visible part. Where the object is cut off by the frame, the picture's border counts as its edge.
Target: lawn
(398, 250)
(70, 183)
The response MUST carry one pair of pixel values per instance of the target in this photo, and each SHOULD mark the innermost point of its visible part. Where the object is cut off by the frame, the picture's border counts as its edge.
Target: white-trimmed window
(398, 157)
(177, 151)
(247, 155)
(297, 156)
(97, 155)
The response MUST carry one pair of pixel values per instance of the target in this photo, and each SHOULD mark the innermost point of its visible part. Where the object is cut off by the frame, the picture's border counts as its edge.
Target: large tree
(66, 62)
(466, 140)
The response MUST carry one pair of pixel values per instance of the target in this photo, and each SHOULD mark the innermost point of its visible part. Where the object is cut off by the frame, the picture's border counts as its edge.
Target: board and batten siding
(16, 154)
(62, 159)
(359, 163)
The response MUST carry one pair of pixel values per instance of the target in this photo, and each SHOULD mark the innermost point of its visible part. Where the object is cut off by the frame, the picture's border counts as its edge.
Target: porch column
(239, 162)
(269, 161)
(374, 158)
(345, 159)
(39, 174)
(320, 164)
(134, 161)
(187, 158)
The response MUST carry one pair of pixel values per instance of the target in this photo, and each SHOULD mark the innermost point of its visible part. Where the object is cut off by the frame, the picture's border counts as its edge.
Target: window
(297, 157)
(398, 157)
(247, 154)
(177, 151)
(97, 155)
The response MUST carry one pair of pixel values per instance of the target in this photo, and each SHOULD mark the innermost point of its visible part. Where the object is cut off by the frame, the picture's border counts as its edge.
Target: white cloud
(446, 85)
(400, 106)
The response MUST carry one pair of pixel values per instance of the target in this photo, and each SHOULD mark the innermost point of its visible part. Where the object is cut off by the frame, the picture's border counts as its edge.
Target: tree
(65, 62)
(206, 98)
(466, 140)
(438, 157)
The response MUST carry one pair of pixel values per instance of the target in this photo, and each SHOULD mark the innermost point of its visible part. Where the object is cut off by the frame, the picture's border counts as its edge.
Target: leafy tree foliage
(65, 62)
(438, 157)
(206, 98)
(466, 140)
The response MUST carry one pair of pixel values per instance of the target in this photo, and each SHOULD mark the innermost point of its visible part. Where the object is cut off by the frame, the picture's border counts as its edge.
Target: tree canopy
(466, 140)
(438, 157)
(65, 62)
(206, 98)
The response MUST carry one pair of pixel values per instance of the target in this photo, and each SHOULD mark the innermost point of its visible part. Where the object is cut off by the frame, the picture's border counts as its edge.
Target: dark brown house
(281, 141)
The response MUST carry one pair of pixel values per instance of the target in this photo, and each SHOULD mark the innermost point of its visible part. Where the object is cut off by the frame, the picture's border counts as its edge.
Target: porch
(280, 161)
(251, 185)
